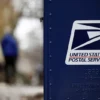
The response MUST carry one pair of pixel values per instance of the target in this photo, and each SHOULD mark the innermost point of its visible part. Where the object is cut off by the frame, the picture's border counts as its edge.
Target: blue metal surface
(69, 82)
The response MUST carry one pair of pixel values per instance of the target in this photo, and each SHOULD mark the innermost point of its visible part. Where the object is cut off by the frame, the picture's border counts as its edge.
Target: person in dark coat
(10, 52)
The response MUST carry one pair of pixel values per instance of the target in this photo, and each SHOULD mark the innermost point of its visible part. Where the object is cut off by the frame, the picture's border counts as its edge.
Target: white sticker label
(84, 44)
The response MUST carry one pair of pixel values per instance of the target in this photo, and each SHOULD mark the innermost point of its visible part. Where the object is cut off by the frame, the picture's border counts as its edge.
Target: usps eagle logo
(84, 43)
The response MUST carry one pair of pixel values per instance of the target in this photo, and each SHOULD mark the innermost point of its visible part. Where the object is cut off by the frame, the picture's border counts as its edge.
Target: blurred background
(24, 20)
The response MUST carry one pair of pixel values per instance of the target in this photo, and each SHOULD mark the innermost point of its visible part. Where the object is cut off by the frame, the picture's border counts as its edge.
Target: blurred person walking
(10, 52)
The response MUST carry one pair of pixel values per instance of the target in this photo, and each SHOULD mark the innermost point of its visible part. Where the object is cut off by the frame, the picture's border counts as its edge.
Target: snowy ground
(16, 92)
